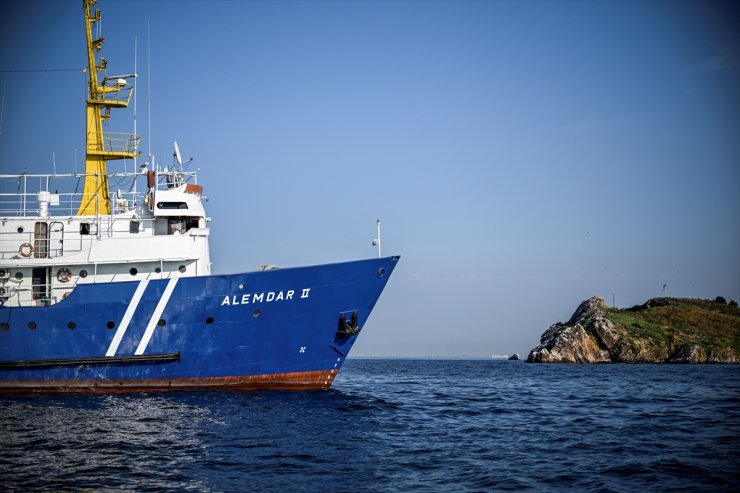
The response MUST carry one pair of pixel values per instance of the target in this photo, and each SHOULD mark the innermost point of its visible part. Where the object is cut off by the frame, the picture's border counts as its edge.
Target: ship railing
(55, 200)
(60, 241)
(23, 195)
(116, 94)
(114, 143)
(36, 294)
(19, 194)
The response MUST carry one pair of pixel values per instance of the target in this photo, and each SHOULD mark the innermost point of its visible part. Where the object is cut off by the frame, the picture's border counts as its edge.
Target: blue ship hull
(280, 329)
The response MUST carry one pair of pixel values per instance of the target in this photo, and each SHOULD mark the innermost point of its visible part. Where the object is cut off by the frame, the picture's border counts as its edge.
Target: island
(661, 330)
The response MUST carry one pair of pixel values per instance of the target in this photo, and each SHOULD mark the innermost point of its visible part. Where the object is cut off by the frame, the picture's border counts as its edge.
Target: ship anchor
(348, 328)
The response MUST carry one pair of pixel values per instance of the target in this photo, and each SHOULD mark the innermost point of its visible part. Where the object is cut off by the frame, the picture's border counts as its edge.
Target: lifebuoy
(26, 249)
(64, 275)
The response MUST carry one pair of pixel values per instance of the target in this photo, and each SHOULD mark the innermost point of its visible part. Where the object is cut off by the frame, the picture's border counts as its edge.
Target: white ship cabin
(47, 248)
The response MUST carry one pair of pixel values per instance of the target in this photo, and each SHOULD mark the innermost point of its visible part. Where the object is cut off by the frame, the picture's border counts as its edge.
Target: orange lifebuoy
(64, 275)
(26, 249)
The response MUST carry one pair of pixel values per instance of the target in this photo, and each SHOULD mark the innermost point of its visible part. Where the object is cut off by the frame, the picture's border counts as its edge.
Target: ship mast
(111, 92)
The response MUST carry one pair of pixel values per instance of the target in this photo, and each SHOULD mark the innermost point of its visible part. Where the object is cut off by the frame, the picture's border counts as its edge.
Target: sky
(521, 156)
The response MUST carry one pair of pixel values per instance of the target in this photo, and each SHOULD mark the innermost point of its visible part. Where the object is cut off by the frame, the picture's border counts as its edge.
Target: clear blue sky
(522, 156)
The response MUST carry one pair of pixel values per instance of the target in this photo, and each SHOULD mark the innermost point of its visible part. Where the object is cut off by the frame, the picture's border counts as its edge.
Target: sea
(394, 425)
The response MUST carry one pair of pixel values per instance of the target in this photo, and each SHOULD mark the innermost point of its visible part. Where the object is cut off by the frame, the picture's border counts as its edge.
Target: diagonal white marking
(155, 316)
(133, 304)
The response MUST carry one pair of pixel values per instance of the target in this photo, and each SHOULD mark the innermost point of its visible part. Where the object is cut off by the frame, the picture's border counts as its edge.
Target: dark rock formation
(571, 342)
(514, 357)
(590, 336)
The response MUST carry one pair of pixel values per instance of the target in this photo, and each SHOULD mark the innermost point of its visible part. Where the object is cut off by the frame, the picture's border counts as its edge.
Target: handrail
(115, 94)
(19, 193)
(116, 142)
(10, 241)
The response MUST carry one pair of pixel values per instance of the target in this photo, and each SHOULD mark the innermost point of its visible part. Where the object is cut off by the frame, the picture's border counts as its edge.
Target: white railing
(55, 200)
(19, 194)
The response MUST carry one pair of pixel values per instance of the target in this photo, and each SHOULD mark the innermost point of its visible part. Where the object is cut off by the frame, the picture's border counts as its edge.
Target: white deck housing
(46, 250)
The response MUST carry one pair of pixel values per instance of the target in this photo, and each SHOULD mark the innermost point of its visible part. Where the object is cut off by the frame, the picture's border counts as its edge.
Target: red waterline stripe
(308, 380)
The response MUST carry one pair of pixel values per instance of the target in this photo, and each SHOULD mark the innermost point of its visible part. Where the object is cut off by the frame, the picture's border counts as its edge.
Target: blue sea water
(394, 425)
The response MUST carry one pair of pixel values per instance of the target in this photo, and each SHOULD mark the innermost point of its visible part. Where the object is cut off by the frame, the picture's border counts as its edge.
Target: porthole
(5, 326)
(32, 325)
(161, 322)
(20, 229)
(18, 276)
(83, 273)
(111, 324)
(133, 271)
(157, 270)
(381, 272)
(3, 273)
(181, 269)
(71, 326)
(256, 312)
(209, 320)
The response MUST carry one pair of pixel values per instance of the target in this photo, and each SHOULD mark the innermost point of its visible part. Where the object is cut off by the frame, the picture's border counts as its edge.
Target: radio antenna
(149, 89)
(136, 89)
(376, 241)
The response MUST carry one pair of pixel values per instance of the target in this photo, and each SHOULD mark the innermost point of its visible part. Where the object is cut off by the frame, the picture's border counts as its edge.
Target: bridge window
(172, 205)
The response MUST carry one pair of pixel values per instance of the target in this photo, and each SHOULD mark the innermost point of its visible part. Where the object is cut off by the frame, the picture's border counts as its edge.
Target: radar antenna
(178, 158)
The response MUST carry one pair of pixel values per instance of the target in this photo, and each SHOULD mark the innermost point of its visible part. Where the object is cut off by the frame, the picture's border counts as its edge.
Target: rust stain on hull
(309, 380)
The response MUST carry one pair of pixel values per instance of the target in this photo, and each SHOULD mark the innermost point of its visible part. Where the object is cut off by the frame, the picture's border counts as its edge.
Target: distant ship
(112, 291)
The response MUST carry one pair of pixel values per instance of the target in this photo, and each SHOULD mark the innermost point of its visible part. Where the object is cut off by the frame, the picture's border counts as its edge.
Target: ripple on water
(403, 425)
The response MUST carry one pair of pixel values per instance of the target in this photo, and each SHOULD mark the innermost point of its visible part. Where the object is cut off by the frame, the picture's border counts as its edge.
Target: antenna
(136, 89)
(376, 241)
(178, 158)
(149, 90)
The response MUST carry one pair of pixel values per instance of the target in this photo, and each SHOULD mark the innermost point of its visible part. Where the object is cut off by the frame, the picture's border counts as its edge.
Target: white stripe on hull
(133, 304)
(155, 316)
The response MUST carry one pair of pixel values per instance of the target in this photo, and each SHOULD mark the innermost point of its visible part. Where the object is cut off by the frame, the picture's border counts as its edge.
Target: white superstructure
(46, 249)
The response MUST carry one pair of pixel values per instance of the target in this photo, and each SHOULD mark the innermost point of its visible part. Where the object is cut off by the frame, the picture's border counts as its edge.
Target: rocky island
(661, 330)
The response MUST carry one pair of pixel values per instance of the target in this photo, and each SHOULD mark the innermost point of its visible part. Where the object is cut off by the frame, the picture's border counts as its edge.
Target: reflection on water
(200, 441)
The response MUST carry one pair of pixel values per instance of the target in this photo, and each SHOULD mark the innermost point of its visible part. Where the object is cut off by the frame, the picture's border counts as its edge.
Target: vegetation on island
(662, 330)
(678, 322)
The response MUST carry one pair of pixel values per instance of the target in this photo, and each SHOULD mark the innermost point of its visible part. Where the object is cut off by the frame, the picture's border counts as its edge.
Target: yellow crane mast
(111, 92)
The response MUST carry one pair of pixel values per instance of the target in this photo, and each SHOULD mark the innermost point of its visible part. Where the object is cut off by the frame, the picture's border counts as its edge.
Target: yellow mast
(102, 146)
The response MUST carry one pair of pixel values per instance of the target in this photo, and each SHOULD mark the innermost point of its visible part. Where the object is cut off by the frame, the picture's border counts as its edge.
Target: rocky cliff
(662, 330)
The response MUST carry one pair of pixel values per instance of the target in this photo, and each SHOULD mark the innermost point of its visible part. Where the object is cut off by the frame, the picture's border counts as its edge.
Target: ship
(109, 291)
